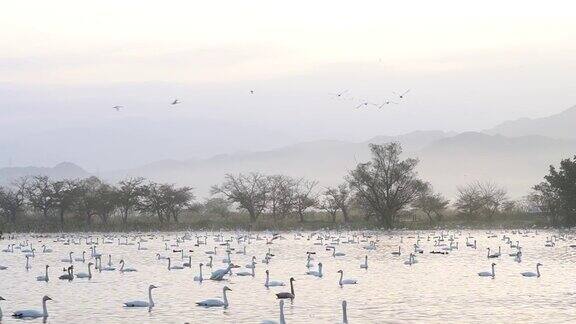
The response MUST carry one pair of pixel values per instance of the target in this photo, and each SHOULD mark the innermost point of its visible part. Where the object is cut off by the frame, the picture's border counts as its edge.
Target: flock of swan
(177, 251)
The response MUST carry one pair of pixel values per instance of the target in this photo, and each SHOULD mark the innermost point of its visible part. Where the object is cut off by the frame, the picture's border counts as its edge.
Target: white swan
(211, 252)
(199, 278)
(488, 273)
(122, 269)
(532, 274)
(399, 252)
(82, 259)
(219, 274)
(160, 257)
(282, 319)
(171, 267)
(44, 277)
(316, 273)
(335, 254)
(248, 273)
(216, 302)
(269, 283)
(45, 249)
(142, 303)
(69, 260)
(29, 313)
(69, 275)
(251, 264)
(141, 248)
(365, 264)
(88, 275)
(343, 282)
(28, 266)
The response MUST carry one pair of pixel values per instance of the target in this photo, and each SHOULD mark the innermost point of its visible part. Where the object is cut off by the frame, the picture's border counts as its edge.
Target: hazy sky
(469, 65)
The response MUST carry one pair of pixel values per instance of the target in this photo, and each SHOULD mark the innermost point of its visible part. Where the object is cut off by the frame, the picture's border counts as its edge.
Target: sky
(468, 65)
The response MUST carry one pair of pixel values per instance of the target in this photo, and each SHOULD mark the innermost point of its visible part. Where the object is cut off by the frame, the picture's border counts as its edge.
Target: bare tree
(129, 193)
(218, 206)
(40, 194)
(175, 199)
(304, 197)
(153, 201)
(431, 203)
(281, 195)
(65, 194)
(469, 201)
(386, 185)
(340, 197)
(249, 191)
(12, 199)
(493, 196)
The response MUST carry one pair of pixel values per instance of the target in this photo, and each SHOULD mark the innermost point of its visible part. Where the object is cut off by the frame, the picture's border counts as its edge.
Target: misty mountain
(560, 125)
(64, 170)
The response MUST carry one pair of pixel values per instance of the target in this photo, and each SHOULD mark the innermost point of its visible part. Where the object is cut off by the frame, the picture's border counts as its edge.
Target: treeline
(383, 192)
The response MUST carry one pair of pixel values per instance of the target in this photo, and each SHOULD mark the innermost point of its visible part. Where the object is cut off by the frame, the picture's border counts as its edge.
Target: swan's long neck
(150, 300)
(121, 265)
(169, 263)
(320, 270)
(488, 252)
(292, 287)
(46, 273)
(538, 270)
(200, 272)
(267, 279)
(89, 271)
(366, 261)
(344, 314)
(253, 266)
(44, 308)
(493, 271)
(109, 260)
(341, 276)
(282, 320)
(224, 297)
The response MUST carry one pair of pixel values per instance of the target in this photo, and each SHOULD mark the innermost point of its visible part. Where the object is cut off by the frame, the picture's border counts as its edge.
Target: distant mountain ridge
(561, 125)
(447, 159)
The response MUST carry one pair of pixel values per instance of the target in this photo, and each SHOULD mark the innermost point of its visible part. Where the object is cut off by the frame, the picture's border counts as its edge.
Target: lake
(439, 288)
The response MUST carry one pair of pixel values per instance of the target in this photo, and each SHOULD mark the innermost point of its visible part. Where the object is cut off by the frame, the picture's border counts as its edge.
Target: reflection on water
(438, 288)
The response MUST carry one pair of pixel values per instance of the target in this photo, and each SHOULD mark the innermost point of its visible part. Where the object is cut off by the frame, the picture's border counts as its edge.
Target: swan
(32, 253)
(83, 258)
(282, 320)
(248, 273)
(532, 274)
(69, 260)
(28, 266)
(335, 254)
(343, 282)
(44, 277)
(199, 278)
(210, 263)
(365, 264)
(122, 269)
(251, 264)
(492, 256)
(88, 275)
(189, 263)
(1, 298)
(219, 274)
(216, 302)
(211, 252)
(141, 303)
(69, 275)
(488, 273)
(269, 283)
(160, 257)
(344, 313)
(45, 249)
(141, 248)
(411, 260)
(173, 267)
(397, 252)
(286, 295)
(316, 273)
(29, 313)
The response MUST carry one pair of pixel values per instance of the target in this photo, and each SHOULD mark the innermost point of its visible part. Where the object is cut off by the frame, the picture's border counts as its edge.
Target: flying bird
(251, 91)
(175, 102)
(402, 95)
(386, 102)
(339, 94)
(118, 107)
(363, 104)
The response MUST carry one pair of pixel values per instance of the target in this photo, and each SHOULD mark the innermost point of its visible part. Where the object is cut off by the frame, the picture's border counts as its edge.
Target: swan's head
(226, 288)
(267, 272)
(122, 261)
(2, 298)
(340, 271)
(493, 264)
(292, 279)
(539, 264)
(344, 304)
(90, 264)
(201, 264)
(45, 298)
(152, 287)
(47, 266)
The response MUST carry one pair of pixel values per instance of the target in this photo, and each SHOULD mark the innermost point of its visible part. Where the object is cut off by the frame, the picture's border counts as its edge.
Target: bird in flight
(339, 94)
(118, 107)
(251, 91)
(402, 95)
(387, 102)
(364, 104)
(175, 102)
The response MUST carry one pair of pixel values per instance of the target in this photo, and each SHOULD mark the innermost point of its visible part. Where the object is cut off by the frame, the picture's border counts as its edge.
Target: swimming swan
(141, 303)
(346, 281)
(216, 302)
(532, 274)
(487, 273)
(286, 295)
(29, 313)
(269, 283)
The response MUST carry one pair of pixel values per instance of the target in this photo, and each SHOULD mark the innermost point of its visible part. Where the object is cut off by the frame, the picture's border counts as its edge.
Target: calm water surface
(437, 289)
